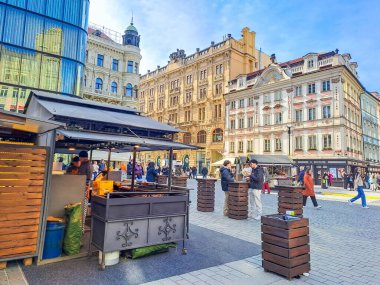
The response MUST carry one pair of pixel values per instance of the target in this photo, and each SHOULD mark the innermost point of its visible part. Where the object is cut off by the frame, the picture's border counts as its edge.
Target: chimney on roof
(273, 58)
(336, 51)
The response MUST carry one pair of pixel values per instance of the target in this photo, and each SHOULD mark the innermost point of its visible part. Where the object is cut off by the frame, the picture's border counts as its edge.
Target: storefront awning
(126, 142)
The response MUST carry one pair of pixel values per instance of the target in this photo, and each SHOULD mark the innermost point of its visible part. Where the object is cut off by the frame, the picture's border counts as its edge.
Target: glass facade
(42, 47)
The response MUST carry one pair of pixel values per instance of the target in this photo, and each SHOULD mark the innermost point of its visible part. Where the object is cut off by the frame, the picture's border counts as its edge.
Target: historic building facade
(188, 93)
(42, 47)
(370, 121)
(112, 66)
(307, 108)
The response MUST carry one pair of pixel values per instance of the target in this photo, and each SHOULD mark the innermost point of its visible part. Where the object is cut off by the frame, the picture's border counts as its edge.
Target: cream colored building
(188, 93)
(308, 108)
(112, 66)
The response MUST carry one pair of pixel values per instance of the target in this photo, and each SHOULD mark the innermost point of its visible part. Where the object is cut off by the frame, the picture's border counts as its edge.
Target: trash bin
(53, 239)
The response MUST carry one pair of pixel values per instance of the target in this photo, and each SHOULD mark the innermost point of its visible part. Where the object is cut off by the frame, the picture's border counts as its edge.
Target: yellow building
(188, 93)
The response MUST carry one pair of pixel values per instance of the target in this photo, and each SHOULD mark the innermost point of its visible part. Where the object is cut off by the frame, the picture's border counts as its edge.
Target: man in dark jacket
(226, 177)
(255, 187)
(151, 173)
(204, 172)
(194, 171)
(300, 177)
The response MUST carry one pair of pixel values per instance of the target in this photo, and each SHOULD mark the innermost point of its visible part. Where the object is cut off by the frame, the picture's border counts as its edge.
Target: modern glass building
(42, 47)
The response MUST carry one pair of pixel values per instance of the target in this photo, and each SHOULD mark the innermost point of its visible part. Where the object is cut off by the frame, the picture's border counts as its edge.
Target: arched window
(217, 135)
(128, 90)
(187, 138)
(114, 87)
(201, 137)
(99, 84)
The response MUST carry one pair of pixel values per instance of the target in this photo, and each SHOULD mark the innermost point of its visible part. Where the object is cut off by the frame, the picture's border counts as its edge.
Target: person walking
(226, 178)
(358, 186)
(255, 187)
(101, 165)
(204, 172)
(266, 181)
(139, 171)
(372, 181)
(95, 169)
(151, 172)
(194, 172)
(366, 180)
(330, 178)
(308, 182)
(300, 177)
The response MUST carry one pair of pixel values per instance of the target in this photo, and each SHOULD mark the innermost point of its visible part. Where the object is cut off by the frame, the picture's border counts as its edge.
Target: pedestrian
(194, 172)
(85, 166)
(95, 169)
(324, 180)
(308, 182)
(255, 187)
(139, 171)
(101, 165)
(358, 186)
(378, 181)
(366, 180)
(300, 177)
(151, 172)
(226, 178)
(64, 166)
(73, 168)
(266, 181)
(204, 172)
(330, 178)
(165, 170)
(372, 181)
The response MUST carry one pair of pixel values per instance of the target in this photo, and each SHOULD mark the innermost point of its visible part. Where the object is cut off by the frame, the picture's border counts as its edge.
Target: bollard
(238, 200)
(206, 195)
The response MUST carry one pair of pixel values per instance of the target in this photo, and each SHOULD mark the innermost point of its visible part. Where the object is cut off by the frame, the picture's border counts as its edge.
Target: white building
(112, 66)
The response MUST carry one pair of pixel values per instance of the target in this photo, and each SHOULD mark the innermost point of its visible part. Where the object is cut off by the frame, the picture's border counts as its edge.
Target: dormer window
(241, 82)
(310, 63)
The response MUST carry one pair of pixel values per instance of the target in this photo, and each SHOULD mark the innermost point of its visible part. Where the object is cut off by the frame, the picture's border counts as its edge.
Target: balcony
(218, 77)
(175, 90)
(203, 82)
(189, 86)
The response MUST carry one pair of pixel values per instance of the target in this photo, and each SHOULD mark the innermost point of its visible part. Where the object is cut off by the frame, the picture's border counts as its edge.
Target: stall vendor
(74, 166)
(85, 167)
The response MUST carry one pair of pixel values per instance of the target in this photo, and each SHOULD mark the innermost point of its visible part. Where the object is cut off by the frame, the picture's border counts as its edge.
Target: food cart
(87, 125)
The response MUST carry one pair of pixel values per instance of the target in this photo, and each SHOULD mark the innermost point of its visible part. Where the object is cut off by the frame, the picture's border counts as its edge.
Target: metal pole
(90, 154)
(289, 133)
(170, 168)
(133, 168)
(108, 162)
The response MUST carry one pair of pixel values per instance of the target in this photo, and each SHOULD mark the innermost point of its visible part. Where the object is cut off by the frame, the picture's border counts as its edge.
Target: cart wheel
(184, 251)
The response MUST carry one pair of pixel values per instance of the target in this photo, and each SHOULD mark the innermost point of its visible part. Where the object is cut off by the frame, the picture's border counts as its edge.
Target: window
(249, 146)
(173, 101)
(201, 137)
(326, 112)
(202, 93)
(161, 88)
(173, 118)
(161, 102)
(250, 122)
(218, 111)
(277, 96)
(310, 63)
(267, 98)
(241, 103)
(311, 88)
(187, 116)
(187, 138)
(203, 74)
(130, 66)
(114, 87)
(326, 141)
(151, 92)
(250, 101)
(266, 145)
(4, 91)
(151, 104)
(100, 60)
(232, 147)
(299, 143)
(219, 69)
(278, 144)
(299, 115)
(241, 82)
(218, 89)
(98, 84)
(311, 114)
(278, 118)
(298, 91)
(266, 119)
(233, 105)
(241, 146)
(233, 124)
(312, 142)
(115, 65)
(174, 84)
(201, 114)
(217, 135)
(241, 123)
(326, 86)
(128, 90)
(189, 79)
(136, 68)
(188, 97)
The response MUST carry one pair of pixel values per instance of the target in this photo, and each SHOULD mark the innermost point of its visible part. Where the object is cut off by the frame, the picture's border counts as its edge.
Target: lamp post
(289, 133)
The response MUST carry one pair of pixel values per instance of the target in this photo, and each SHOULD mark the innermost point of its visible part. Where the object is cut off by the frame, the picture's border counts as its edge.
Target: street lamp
(289, 133)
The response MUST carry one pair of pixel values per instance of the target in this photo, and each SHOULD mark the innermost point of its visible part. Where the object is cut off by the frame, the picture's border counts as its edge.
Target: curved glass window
(201, 137)
(217, 135)
(18, 3)
(70, 40)
(54, 8)
(128, 90)
(51, 38)
(33, 38)
(68, 76)
(99, 84)
(114, 87)
(72, 12)
(37, 6)
(14, 26)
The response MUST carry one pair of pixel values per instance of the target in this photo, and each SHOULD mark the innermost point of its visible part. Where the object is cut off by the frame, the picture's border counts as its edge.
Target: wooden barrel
(238, 200)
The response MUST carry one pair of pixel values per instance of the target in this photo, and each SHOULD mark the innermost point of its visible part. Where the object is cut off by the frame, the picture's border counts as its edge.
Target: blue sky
(290, 29)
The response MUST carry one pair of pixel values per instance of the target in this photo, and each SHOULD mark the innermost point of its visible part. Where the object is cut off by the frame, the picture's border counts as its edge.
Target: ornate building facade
(112, 66)
(188, 93)
(307, 108)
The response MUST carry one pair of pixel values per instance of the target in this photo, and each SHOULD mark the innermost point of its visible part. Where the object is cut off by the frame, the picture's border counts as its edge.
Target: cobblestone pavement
(345, 247)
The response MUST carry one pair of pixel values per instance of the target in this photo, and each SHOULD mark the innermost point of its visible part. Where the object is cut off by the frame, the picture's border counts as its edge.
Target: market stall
(125, 131)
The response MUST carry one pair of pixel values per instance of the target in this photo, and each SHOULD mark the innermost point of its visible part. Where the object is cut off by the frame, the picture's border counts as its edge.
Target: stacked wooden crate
(290, 198)
(206, 195)
(180, 181)
(285, 245)
(162, 179)
(238, 200)
(22, 179)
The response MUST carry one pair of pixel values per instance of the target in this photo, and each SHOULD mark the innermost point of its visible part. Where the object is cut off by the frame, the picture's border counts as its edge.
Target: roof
(132, 28)
(98, 33)
(81, 109)
(127, 141)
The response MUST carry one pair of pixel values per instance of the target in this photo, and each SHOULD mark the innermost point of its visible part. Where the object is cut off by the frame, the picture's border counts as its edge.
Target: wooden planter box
(285, 245)
(238, 200)
(290, 198)
(180, 181)
(206, 195)
(162, 179)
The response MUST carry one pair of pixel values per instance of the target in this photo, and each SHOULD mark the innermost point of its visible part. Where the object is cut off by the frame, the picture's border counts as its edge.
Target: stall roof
(81, 109)
(263, 159)
(220, 162)
(144, 143)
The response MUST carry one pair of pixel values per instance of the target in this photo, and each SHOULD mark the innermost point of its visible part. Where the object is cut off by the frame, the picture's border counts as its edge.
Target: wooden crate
(22, 174)
(162, 179)
(206, 195)
(290, 198)
(285, 245)
(180, 181)
(238, 200)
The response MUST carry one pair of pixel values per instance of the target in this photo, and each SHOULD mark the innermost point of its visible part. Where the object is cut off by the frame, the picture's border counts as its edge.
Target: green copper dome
(131, 28)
